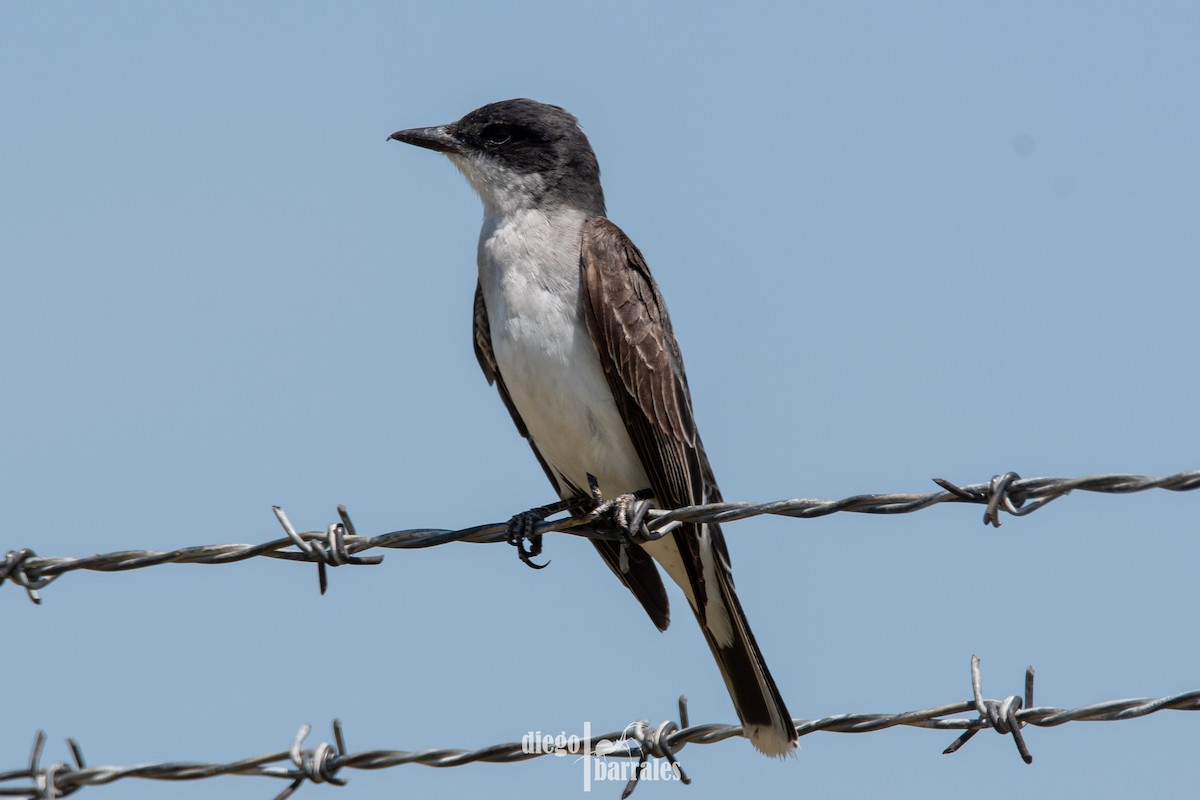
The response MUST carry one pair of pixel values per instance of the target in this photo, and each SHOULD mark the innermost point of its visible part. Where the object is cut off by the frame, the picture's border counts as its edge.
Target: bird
(571, 328)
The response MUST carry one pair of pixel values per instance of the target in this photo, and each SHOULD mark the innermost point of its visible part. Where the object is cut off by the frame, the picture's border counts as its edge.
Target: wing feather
(641, 358)
(632, 333)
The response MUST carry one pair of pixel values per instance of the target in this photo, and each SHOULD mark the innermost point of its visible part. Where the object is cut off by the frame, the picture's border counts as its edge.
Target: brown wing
(642, 577)
(632, 332)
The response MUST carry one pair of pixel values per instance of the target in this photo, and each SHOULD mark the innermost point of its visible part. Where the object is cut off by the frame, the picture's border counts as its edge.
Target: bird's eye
(497, 135)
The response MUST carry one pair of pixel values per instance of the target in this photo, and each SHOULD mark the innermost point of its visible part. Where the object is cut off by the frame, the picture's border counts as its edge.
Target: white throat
(502, 190)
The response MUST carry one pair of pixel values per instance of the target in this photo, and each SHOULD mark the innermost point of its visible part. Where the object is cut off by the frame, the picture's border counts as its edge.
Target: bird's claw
(625, 512)
(522, 528)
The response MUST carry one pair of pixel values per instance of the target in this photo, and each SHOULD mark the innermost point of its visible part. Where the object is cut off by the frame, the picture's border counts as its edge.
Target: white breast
(529, 274)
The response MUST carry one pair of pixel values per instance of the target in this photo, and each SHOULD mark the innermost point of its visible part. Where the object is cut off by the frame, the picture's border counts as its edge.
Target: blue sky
(946, 239)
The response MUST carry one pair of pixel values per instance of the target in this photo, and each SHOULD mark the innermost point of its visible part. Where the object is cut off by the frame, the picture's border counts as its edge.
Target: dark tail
(696, 558)
(755, 696)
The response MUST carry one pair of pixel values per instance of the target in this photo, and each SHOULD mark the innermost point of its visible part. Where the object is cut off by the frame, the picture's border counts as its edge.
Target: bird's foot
(522, 529)
(626, 513)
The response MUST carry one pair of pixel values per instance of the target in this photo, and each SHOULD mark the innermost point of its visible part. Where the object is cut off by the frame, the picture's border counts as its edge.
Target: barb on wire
(13, 568)
(334, 552)
(656, 743)
(1000, 716)
(322, 763)
(318, 765)
(339, 543)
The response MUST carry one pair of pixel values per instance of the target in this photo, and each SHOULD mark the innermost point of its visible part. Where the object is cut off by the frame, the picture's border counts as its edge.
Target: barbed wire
(338, 544)
(638, 740)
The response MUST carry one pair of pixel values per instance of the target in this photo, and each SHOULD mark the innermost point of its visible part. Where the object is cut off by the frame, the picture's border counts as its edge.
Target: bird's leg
(616, 513)
(522, 528)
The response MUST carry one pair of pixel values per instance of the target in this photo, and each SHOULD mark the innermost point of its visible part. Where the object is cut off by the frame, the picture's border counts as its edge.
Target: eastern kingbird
(572, 330)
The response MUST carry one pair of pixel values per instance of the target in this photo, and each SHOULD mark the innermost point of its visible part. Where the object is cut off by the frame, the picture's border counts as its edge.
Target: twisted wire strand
(321, 763)
(338, 543)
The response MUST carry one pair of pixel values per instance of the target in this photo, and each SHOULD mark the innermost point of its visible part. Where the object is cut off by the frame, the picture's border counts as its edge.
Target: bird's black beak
(438, 138)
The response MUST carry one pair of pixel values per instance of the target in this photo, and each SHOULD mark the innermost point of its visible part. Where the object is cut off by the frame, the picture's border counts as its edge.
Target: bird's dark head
(519, 153)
